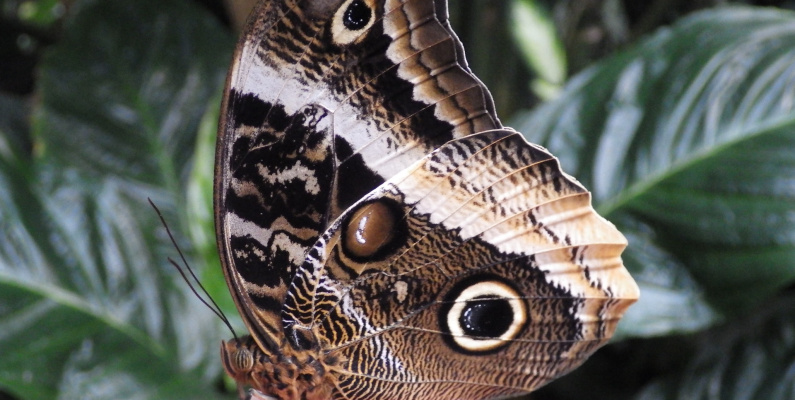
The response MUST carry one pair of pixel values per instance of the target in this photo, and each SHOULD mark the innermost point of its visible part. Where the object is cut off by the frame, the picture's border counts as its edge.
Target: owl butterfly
(382, 234)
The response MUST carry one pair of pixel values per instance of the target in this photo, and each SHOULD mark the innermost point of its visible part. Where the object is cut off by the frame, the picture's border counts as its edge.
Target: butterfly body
(283, 374)
(382, 234)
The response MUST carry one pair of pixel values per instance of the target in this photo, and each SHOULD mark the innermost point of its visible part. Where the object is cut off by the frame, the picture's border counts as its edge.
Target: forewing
(316, 115)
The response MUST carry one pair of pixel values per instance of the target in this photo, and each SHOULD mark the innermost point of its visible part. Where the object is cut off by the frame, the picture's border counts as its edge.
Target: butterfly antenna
(214, 307)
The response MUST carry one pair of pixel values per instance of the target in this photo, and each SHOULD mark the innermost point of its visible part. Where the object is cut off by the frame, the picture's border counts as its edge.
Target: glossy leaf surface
(89, 307)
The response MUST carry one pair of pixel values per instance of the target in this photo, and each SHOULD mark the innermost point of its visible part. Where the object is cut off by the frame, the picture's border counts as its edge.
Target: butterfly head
(238, 357)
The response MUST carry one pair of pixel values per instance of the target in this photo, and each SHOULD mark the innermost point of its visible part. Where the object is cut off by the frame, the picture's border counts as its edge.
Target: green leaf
(686, 143)
(14, 129)
(749, 359)
(145, 79)
(536, 37)
(672, 301)
(41, 12)
(89, 307)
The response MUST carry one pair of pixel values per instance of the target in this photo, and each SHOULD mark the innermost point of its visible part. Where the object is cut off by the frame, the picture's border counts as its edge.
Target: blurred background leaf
(680, 122)
(90, 307)
(688, 148)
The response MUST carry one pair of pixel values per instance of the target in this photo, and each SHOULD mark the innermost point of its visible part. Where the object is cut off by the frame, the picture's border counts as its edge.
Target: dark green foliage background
(685, 134)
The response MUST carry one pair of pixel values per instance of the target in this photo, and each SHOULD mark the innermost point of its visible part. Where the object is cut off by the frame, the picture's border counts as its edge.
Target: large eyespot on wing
(482, 314)
(372, 231)
(352, 20)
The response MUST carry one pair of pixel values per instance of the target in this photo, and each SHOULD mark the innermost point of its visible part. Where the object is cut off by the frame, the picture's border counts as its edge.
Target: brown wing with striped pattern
(324, 101)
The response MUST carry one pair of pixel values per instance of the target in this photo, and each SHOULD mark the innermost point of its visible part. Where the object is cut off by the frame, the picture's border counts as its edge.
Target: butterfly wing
(325, 100)
(481, 271)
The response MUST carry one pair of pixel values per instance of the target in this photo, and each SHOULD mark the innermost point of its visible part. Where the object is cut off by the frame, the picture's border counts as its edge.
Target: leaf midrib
(70, 300)
(646, 185)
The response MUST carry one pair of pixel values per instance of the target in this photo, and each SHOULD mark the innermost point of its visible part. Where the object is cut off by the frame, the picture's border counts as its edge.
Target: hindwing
(495, 259)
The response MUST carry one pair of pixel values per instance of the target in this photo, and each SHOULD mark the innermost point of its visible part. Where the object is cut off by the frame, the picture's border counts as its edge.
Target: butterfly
(382, 234)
